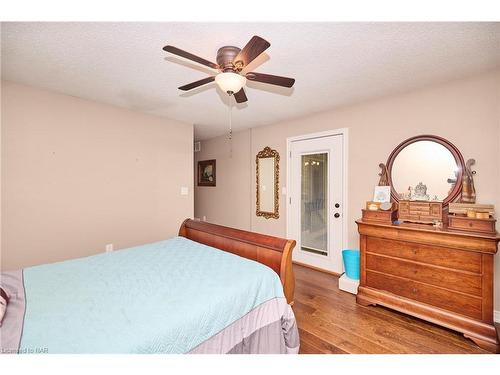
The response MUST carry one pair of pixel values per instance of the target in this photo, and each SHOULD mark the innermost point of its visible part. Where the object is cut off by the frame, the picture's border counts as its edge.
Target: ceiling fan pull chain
(230, 127)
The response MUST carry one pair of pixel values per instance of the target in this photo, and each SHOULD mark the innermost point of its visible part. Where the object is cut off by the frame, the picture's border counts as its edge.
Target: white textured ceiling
(333, 63)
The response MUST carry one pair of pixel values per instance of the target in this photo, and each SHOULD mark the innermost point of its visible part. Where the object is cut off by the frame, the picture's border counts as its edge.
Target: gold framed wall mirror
(267, 165)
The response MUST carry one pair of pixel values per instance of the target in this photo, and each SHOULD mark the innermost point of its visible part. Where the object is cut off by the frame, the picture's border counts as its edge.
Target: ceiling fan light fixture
(230, 82)
(231, 61)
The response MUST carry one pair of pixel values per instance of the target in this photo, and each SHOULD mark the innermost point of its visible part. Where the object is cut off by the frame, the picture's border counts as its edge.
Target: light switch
(184, 190)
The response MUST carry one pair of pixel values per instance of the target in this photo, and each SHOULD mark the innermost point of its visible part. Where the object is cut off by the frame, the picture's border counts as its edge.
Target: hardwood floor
(330, 321)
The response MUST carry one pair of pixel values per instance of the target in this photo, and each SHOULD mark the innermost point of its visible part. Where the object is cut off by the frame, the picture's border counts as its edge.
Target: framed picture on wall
(206, 173)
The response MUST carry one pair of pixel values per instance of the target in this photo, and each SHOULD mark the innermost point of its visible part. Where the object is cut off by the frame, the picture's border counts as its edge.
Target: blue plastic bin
(351, 263)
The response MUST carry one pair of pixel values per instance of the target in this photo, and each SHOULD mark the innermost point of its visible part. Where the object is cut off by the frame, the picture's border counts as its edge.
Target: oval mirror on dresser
(425, 167)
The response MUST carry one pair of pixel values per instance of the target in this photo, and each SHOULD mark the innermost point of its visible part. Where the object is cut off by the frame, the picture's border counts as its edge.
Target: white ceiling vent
(197, 146)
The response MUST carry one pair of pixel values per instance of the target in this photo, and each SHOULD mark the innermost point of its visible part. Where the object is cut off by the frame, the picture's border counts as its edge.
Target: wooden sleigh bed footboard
(273, 252)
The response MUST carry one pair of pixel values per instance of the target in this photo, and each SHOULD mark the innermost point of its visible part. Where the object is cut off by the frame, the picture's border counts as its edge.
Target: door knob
(337, 215)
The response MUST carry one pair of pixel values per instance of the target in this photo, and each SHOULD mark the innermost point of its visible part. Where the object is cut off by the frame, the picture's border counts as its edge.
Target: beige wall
(228, 203)
(78, 175)
(465, 111)
(497, 206)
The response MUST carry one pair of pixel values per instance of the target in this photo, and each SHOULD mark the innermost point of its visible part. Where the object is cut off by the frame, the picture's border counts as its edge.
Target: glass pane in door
(314, 193)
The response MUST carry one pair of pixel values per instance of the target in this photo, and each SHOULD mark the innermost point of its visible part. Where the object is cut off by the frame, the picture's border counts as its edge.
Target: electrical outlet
(109, 247)
(204, 218)
(184, 190)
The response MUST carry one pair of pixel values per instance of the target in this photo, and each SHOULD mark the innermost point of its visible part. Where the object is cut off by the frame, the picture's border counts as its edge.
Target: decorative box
(464, 208)
(380, 216)
(425, 212)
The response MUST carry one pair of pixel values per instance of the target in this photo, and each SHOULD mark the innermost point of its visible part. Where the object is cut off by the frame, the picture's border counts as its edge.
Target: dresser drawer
(439, 256)
(403, 208)
(377, 215)
(454, 280)
(441, 298)
(436, 210)
(409, 217)
(381, 216)
(418, 210)
(473, 225)
(419, 204)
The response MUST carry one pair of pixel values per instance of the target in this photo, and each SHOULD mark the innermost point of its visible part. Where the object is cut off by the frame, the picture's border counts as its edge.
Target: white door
(315, 216)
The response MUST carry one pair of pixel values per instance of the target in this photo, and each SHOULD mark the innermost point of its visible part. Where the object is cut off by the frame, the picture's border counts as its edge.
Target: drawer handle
(415, 251)
(414, 290)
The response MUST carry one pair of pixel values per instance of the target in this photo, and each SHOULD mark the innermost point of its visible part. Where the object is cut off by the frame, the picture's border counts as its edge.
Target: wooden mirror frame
(457, 189)
(267, 152)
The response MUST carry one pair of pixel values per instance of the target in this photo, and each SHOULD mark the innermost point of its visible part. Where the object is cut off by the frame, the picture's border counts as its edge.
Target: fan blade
(254, 48)
(190, 56)
(240, 96)
(201, 82)
(269, 78)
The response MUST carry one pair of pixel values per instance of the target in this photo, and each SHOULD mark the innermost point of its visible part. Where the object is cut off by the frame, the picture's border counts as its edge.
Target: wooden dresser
(438, 275)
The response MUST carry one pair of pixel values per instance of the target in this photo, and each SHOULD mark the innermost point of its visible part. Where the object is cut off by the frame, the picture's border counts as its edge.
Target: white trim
(327, 133)
(496, 316)
(348, 285)
(345, 155)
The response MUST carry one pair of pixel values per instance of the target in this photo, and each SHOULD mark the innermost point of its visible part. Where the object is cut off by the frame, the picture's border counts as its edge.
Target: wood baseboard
(317, 269)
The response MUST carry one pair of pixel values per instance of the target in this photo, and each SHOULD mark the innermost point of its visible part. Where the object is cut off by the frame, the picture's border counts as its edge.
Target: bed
(212, 289)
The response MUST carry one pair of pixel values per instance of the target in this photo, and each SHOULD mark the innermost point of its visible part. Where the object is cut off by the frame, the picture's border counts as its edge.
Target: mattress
(172, 296)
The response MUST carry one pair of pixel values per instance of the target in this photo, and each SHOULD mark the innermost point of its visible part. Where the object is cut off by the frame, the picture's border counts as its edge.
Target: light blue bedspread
(165, 297)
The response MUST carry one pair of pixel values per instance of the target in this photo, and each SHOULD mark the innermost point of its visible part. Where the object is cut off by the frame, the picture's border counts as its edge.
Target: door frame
(345, 152)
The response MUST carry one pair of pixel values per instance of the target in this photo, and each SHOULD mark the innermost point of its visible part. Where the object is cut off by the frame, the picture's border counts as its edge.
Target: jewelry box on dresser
(432, 272)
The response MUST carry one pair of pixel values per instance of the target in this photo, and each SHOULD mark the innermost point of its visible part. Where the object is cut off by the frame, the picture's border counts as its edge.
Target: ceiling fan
(230, 63)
